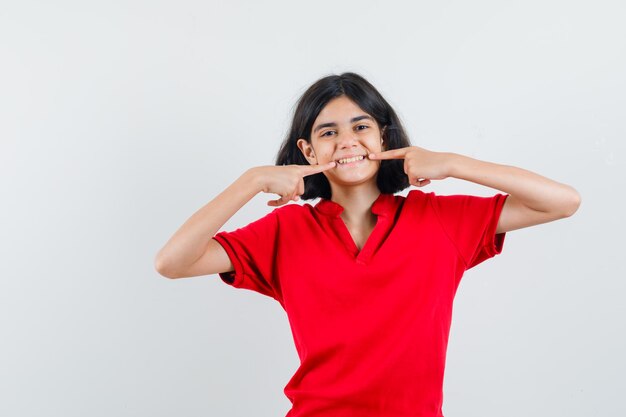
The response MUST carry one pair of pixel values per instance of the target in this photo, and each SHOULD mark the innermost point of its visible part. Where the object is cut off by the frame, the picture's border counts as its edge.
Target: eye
(365, 126)
(330, 131)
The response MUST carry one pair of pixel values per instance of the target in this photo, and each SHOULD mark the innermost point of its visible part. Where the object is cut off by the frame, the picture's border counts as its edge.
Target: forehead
(340, 109)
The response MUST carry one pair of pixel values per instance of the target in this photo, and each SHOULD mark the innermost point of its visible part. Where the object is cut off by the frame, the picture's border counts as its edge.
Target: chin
(353, 179)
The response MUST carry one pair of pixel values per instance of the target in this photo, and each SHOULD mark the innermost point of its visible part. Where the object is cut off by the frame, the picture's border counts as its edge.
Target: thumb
(278, 202)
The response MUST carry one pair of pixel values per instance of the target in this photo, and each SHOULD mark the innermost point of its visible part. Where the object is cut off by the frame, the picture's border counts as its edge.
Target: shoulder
(292, 207)
(441, 203)
(417, 197)
(292, 211)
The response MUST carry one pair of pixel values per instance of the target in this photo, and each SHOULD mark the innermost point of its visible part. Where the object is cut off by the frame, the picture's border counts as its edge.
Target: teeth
(348, 160)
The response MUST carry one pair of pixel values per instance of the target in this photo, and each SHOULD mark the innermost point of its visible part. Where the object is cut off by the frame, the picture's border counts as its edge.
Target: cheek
(376, 147)
(325, 157)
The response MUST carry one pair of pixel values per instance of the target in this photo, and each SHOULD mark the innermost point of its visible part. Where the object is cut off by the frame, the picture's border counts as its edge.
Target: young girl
(367, 278)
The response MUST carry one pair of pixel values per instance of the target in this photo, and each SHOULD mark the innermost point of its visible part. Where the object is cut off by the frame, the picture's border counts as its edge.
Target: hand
(420, 165)
(286, 180)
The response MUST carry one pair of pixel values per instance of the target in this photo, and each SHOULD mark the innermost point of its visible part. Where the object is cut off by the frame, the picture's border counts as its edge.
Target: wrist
(453, 160)
(252, 178)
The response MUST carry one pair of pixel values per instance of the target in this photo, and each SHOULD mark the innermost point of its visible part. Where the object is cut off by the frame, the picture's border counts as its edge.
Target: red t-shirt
(371, 326)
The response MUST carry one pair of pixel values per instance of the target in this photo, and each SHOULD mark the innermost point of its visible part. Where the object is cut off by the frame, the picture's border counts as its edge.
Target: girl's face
(343, 130)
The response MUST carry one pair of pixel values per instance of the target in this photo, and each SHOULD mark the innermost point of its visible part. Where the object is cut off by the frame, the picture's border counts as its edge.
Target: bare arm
(191, 251)
(533, 199)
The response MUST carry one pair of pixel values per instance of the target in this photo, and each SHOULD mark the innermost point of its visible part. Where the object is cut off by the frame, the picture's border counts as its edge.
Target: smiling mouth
(349, 160)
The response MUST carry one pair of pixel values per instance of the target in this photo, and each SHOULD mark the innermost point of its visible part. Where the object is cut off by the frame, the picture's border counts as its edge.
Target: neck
(357, 202)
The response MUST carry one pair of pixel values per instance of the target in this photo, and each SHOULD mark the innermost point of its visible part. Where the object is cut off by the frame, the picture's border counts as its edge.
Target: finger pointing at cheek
(391, 154)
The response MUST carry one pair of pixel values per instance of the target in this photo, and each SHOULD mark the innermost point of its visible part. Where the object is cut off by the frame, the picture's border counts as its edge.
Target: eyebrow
(332, 124)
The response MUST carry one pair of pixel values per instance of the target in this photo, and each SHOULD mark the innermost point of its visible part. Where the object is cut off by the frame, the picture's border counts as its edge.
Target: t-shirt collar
(383, 205)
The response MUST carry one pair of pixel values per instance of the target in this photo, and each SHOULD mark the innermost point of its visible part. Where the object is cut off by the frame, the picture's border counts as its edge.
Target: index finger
(390, 154)
(315, 169)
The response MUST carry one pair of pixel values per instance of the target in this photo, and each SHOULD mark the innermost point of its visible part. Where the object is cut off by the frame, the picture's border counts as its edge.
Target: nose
(347, 139)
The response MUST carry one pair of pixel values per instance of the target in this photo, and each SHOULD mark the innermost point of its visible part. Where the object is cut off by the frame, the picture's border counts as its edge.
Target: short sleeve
(252, 250)
(471, 222)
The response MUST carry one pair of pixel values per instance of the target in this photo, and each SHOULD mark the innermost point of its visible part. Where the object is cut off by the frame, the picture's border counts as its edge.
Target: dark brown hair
(391, 177)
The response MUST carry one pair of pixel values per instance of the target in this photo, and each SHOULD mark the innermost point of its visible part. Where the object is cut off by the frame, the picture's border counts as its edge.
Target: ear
(383, 143)
(307, 150)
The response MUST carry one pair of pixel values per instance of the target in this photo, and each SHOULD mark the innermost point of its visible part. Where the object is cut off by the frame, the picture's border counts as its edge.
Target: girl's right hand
(286, 180)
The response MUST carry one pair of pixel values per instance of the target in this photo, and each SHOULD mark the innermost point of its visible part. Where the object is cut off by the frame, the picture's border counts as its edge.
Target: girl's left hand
(420, 165)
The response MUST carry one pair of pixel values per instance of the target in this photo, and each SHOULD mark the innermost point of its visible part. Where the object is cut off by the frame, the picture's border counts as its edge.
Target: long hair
(391, 177)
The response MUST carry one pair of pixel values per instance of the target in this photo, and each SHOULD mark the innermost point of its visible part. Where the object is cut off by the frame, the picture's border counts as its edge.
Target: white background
(119, 119)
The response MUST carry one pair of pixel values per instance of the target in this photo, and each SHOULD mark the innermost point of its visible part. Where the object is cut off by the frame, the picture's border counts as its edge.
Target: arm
(533, 199)
(191, 251)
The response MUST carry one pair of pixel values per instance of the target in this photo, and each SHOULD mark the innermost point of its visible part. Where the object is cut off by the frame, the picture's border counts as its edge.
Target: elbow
(162, 267)
(573, 203)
